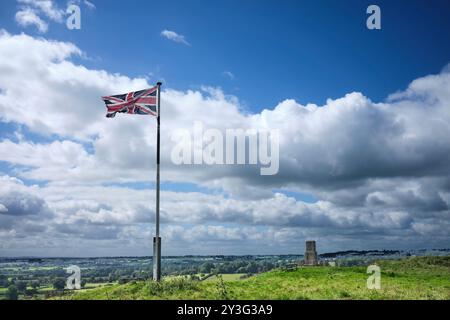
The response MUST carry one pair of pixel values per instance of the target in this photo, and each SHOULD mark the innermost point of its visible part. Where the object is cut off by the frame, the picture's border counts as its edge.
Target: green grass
(45, 290)
(47, 268)
(227, 277)
(413, 278)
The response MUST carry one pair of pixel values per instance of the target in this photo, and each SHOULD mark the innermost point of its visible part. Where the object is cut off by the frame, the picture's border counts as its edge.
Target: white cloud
(60, 110)
(47, 7)
(28, 17)
(379, 170)
(93, 213)
(405, 138)
(89, 4)
(173, 36)
(228, 74)
(40, 13)
(58, 154)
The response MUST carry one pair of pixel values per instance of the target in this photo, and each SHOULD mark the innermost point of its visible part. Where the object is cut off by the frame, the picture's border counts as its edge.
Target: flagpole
(157, 238)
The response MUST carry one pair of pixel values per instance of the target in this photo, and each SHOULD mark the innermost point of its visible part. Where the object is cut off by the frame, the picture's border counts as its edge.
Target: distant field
(412, 278)
(43, 268)
(42, 291)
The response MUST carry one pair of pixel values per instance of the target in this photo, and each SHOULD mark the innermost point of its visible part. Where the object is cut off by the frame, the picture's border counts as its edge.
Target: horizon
(221, 255)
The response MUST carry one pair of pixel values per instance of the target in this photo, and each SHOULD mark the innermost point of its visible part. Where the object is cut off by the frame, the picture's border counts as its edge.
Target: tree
(59, 283)
(252, 267)
(206, 267)
(12, 293)
(3, 281)
(21, 286)
(241, 270)
(35, 284)
(30, 292)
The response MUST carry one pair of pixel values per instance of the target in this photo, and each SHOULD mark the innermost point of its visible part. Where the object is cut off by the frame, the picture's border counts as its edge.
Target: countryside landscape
(189, 154)
(418, 274)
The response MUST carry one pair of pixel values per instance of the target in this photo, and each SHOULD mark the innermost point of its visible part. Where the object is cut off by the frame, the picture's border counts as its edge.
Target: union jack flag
(137, 102)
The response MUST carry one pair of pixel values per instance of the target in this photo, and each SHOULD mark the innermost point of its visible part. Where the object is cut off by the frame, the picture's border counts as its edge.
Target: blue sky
(307, 50)
(353, 165)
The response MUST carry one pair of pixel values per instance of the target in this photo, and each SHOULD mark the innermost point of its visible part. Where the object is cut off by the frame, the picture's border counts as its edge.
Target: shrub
(171, 286)
(221, 288)
(12, 293)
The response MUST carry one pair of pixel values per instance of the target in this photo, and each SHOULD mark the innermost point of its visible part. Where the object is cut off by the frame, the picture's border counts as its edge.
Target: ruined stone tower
(311, 254)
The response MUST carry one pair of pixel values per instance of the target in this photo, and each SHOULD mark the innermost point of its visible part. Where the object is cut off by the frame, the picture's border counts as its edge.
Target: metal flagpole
(157, 238)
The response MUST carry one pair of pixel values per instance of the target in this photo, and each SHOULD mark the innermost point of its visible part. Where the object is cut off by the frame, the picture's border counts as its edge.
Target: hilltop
(410, 278)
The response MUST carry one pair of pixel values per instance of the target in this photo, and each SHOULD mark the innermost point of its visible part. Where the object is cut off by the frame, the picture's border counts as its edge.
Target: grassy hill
(412, 278)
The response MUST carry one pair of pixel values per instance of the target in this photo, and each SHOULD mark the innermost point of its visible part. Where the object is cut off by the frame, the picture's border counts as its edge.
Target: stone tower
(311, 254)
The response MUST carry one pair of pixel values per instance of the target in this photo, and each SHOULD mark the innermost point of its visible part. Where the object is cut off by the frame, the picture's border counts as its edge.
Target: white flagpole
(157, 238)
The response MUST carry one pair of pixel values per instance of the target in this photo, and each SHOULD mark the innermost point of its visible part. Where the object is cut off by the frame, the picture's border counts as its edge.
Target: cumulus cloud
(31, 13)
(22, 213)
(28, 17)
(39, 13)
(47, 7)
(64, 113)
(173, 36)
(378, 169)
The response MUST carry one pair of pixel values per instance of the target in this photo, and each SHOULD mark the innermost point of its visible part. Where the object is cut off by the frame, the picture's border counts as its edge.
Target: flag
(137, 102)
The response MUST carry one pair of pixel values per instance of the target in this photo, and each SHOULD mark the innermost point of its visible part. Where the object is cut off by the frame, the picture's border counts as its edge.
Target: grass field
(412, 278)
(226, 277)
(45, 290)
